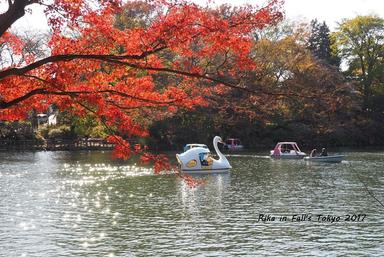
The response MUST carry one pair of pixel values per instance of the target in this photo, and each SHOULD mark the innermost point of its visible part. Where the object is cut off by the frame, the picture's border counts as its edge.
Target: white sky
(332, 11)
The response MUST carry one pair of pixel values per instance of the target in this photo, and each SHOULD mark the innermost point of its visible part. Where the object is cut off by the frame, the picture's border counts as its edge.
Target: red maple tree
(95, 66)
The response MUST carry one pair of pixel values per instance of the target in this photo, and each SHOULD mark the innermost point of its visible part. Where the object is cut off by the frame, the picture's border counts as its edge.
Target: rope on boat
(365, 186)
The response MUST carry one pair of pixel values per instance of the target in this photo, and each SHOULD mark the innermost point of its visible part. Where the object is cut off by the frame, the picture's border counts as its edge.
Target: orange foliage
(95, 67)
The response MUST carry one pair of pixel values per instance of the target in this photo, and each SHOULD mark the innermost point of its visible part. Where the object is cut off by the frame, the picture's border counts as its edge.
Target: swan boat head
(200, 160)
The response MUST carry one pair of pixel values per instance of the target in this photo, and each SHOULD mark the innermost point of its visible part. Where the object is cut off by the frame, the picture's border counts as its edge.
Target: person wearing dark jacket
(323, 152)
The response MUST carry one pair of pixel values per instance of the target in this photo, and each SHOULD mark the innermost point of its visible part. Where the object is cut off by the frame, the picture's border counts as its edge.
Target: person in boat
(205, 159)
(313, 153)
(285, 149)
(323, 152)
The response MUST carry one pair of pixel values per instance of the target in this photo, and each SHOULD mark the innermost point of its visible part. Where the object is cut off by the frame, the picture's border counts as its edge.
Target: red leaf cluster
(118, 74)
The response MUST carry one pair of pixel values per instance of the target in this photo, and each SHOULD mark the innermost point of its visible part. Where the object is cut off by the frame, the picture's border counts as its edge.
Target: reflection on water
(85, 204)
(215, 187)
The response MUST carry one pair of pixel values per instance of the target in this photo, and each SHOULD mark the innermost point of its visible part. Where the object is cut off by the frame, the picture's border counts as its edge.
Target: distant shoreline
(55, 145)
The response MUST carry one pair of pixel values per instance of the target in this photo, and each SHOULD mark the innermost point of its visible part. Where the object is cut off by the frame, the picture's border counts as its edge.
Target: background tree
(299, 98)
(319, 43)
(307, 100)
(361, 44)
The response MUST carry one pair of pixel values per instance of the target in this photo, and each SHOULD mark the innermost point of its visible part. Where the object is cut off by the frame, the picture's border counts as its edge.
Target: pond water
(85, 204)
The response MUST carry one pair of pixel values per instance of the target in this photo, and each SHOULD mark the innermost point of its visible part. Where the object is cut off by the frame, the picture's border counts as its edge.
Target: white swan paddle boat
(198, 160)
(328, 158)
(287, 150)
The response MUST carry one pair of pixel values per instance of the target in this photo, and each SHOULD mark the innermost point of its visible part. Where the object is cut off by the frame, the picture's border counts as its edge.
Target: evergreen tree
(319, 43)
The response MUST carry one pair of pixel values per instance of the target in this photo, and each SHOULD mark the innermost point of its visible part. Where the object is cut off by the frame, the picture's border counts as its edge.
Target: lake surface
(85, 204)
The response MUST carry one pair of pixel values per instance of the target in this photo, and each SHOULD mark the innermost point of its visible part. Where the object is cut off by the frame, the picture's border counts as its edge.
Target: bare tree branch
(15, 11)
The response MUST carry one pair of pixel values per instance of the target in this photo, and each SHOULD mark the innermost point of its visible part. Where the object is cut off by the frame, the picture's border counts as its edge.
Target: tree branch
(4, 104)
(212, 79)
(15, 11)
(70, 57)
(45, 91)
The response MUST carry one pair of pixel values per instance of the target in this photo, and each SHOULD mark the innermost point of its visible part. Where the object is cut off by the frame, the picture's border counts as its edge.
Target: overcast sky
(332, 11)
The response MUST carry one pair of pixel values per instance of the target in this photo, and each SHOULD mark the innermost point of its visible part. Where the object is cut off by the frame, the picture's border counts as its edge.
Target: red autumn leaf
(126, 74)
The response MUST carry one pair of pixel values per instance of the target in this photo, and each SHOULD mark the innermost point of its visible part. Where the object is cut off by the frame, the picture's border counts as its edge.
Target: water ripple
(85, 204)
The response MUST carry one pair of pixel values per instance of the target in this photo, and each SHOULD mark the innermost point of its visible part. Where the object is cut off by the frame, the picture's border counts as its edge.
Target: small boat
(198, 160)
(233, 144)
(329, 158)
(287, 150)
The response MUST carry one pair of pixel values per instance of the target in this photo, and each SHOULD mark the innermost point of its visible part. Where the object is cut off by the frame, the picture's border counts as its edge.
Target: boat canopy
(190, 146)
(282, 147)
